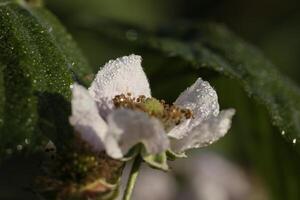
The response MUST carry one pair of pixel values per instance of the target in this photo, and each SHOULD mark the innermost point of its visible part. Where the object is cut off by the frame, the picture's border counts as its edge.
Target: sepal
(158, 161)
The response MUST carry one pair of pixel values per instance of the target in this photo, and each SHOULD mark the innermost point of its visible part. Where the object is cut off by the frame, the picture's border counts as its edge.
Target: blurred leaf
(257, 145)
(39, 62)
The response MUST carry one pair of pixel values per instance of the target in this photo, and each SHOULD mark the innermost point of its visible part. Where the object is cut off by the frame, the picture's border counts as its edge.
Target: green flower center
(169, 115)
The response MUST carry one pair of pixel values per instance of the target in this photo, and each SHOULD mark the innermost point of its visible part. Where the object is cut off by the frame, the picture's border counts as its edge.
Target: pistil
(169, 115)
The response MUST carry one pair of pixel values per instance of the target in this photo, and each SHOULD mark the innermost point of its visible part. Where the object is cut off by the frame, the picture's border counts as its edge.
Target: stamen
(169, 115)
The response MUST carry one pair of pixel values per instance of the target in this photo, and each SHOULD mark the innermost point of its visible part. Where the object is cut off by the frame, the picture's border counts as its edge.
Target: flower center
(169, 115)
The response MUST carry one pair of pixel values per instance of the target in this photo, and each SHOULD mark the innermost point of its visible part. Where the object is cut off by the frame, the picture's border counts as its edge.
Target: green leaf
(255, 143)
(39, 61)
(158, 161)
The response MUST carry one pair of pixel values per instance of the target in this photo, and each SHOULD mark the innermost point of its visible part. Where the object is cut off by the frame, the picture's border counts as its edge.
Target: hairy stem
(132, 178)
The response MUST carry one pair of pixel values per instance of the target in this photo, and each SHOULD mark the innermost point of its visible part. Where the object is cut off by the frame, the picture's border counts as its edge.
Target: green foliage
(257, 144)
(39, 62)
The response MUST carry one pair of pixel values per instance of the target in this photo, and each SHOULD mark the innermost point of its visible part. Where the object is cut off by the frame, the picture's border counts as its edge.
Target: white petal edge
(205, 133)
(128, 128)
(85, 118)
(202, 100)
(120, 76)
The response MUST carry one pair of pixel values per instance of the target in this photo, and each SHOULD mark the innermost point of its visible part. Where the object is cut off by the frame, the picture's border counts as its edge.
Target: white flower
(105, 126)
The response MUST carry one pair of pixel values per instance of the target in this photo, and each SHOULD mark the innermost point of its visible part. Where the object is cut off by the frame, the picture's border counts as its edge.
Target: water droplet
(27, 141)
(29, 120)
(294, 141)
(131, 35)
(19, 147)
(283, 132)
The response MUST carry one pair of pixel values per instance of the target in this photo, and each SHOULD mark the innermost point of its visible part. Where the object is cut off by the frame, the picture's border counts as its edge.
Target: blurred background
(252, 162)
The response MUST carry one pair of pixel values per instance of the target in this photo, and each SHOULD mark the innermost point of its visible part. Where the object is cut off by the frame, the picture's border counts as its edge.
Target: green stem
(132, 178)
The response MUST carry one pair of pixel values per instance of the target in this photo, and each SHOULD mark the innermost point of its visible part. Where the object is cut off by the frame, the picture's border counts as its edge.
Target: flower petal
(86, 119)
(121, 76)
(205, 133)
(202, 100)
(128, 128)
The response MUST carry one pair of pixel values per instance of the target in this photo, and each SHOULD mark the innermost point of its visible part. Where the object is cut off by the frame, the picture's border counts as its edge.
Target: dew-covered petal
(121, 76)
(85, 118)
(206, 133)
(202, 100)
(128, 128)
